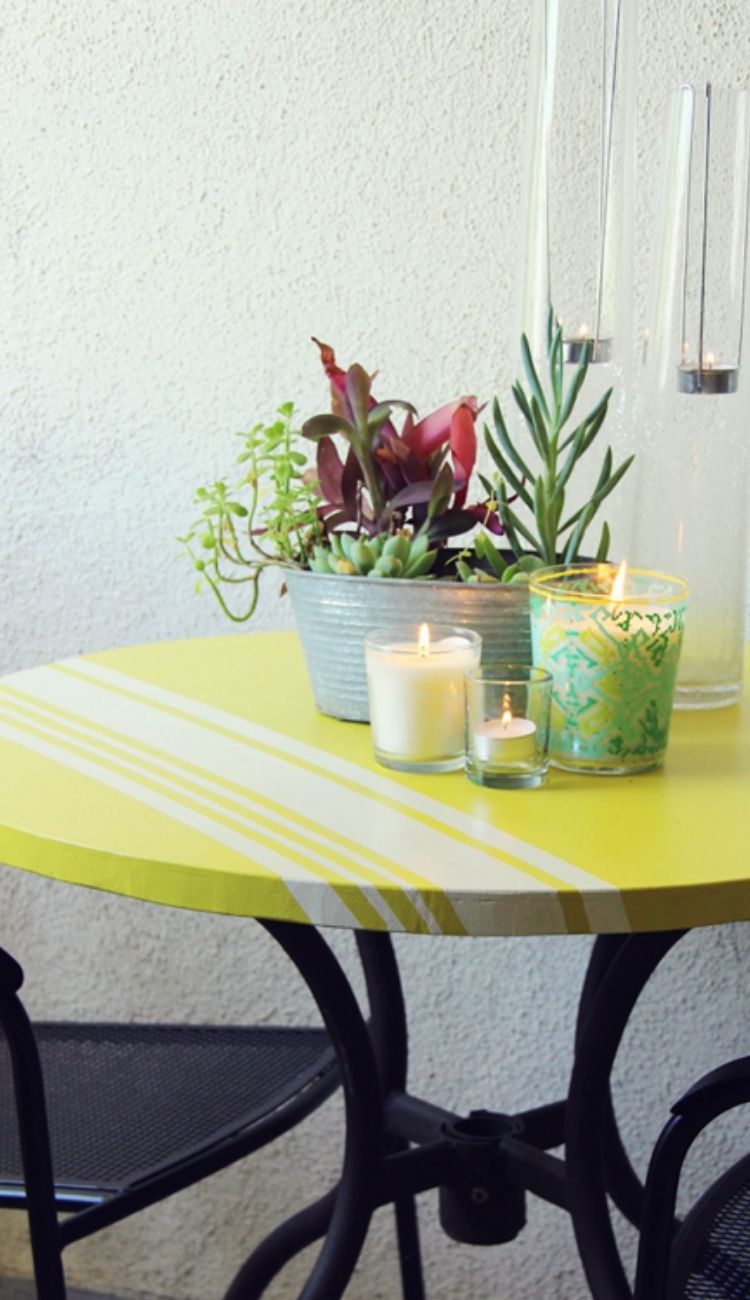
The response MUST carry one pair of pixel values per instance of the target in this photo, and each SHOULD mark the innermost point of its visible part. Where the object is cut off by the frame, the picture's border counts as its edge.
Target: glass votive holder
(507, 725)
(415, 682)
(611, 639)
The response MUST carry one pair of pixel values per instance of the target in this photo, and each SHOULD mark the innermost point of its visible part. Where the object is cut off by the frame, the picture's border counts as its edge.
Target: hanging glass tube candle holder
(692, 465)
(712, 306)
(579, 198)
(579, 179)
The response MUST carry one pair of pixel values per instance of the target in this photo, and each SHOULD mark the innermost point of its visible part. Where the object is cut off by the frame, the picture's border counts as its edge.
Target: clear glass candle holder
(581, 87)
(415, 683)
(507, 725)
(611, 640)
(692, 464)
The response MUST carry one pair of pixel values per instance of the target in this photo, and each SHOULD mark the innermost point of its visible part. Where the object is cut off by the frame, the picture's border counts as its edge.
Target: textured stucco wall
(189, 191)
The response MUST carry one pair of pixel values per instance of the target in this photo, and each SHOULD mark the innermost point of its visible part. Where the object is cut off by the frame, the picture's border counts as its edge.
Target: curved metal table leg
(364, 1144)
(623, 1184)
(390, 1040)
(373, 1061)
(613, 992)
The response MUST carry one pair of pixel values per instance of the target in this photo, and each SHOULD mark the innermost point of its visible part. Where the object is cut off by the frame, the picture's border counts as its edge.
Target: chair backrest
(11, 974)
(710, 1257)
(707, 1256)
(33, 1132)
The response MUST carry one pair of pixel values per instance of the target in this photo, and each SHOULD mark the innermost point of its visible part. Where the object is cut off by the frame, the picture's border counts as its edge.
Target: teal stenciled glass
(611, 640)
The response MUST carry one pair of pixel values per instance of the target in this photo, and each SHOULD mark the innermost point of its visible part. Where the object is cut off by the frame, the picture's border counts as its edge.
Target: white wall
(188, 192)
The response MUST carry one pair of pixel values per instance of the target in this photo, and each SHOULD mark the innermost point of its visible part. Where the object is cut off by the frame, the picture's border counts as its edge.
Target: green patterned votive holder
(611, 640)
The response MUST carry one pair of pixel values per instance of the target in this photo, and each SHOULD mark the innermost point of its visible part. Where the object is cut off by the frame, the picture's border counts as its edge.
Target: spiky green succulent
(397, 555)
(527, 499)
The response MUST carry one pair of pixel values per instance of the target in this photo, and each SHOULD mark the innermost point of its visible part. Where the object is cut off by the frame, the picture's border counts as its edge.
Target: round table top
(199, 774)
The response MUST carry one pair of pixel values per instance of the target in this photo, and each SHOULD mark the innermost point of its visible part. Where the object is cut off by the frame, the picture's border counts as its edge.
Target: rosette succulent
(389, 555)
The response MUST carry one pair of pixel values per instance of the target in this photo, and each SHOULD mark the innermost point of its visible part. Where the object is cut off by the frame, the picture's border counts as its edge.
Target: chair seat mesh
(123, 1099)
(721, 1271)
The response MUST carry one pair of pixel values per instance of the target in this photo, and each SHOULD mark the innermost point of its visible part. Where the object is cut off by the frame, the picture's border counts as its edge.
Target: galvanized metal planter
(333, 614)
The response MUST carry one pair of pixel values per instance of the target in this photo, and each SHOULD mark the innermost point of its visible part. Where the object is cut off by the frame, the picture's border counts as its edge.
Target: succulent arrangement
(381, 500)
(382, 506)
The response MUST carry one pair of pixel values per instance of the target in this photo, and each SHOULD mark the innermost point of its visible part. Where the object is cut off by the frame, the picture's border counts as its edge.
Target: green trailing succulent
(398, 555)
(527, 503)
(229, 545)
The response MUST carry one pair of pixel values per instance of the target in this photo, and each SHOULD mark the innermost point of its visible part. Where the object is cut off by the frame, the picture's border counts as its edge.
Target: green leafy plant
(527, 503)
(270, 518)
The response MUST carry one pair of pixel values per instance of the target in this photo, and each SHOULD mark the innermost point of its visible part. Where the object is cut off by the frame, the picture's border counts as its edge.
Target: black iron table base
(484, 1164)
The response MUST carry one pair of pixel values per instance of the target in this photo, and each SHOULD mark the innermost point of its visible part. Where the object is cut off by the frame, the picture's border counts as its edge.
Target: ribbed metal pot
(333, 614)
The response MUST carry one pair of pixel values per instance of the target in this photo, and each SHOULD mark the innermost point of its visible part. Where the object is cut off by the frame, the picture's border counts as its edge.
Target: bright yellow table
(199, 774)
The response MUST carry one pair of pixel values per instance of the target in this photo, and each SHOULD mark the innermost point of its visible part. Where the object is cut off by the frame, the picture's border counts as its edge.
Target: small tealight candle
(597, 349)
(507, 724)
(505, 738)
(415, 682)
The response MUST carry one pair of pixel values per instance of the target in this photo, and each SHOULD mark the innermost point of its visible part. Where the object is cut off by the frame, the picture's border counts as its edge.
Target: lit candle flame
(583, 331)
(424, 641)
(709, 360)
(507, 714)
(618, 586)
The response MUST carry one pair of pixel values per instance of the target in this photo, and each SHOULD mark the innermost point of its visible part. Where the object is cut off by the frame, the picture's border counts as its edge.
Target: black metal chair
(707, 1255)
(98, 1121)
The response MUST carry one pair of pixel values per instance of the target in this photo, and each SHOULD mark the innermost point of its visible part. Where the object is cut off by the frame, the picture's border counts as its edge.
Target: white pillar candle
(416, 690)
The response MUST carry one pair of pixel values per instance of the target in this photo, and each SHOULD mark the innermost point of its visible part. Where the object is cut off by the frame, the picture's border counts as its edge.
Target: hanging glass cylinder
(577, 254)
(580, 175)
(692, 464)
